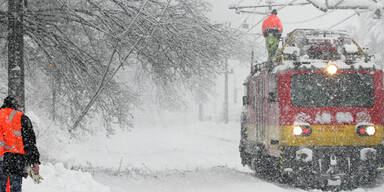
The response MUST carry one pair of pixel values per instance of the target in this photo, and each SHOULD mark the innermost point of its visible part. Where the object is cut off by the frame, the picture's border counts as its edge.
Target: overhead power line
(310, 19)
(344, 20)
(261, 20)
(261, 6)
(342, 4)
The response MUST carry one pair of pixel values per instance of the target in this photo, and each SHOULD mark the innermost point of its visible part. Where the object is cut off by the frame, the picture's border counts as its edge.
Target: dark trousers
(15, 183)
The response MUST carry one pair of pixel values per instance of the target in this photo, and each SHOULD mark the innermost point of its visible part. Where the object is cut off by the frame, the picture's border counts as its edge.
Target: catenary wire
(310, 19)
(344, 20)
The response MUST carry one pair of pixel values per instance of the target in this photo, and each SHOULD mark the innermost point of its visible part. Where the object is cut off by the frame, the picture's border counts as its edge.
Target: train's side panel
(255, 117)
(262, 125)
(272, 139)
(250, 125)
(255, 131)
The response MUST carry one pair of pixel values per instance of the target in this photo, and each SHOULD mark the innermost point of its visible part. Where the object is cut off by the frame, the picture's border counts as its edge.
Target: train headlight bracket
(365, 130)
(302, 130)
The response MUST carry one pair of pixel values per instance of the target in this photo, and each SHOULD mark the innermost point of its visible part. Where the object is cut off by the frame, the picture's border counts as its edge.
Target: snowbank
(59, 179)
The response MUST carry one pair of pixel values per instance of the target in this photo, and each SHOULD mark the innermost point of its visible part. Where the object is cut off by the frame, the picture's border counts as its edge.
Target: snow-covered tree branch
(77, 37)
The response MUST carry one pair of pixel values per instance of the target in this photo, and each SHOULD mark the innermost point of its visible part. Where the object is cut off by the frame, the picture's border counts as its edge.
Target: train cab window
(246, 89)
(272, 88)
(255, 94)
(343, 90)
(262, 87)
(246, 97)
(262, 109)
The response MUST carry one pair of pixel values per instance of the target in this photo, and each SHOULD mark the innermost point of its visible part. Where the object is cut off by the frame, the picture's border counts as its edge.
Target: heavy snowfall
(146, 95)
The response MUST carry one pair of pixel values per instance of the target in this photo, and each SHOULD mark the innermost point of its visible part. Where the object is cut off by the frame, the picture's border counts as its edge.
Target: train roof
(319, 32)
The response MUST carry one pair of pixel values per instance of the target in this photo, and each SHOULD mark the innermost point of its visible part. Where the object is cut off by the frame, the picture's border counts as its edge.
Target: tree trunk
(15, 52)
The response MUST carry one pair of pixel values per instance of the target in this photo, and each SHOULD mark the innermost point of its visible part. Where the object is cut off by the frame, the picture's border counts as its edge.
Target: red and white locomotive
(315, 114)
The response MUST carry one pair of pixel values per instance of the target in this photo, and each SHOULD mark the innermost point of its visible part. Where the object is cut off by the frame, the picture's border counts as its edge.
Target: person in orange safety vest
(19, 146)
(272, 30)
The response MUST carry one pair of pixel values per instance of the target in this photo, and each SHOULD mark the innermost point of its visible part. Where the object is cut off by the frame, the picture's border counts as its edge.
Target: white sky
(291, 17)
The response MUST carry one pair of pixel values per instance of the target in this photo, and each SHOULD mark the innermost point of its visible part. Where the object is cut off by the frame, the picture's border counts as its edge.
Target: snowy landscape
(191, 158)
(147, 95)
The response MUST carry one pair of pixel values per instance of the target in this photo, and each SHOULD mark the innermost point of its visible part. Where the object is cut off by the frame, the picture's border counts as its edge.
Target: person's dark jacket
(14, 163)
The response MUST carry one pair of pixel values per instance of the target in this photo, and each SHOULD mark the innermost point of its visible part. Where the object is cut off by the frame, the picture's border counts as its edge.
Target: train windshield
(343, 90)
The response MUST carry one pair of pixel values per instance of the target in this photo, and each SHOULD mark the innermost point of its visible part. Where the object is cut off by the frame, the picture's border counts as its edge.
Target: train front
(331, 124)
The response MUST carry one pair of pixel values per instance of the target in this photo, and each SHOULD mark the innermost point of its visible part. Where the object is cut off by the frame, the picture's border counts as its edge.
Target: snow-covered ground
(217, 179)
(167, 157)
(59, 179)
(214, 179)
(160, 148)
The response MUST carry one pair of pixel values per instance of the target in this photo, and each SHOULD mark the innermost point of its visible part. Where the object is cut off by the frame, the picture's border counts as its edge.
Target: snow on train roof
(318, 33)
(321, 44)
(313, 48)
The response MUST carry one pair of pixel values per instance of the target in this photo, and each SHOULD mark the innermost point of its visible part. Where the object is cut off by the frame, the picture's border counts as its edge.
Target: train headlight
(331, 69)
(370, 130)
(366, 130)
(303, 130)
(297, 130)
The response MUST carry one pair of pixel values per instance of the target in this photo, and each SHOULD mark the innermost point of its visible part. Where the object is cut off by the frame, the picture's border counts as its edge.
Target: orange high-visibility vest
(2, 119)
(272, 22)
(10, 123)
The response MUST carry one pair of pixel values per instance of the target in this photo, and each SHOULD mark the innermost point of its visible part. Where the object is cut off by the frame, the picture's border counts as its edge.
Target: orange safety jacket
(272, 23)
(10, 123)
(1, 140)
(10, 139)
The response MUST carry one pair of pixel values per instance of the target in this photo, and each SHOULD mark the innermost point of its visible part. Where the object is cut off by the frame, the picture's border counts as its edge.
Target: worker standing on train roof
(272, 30)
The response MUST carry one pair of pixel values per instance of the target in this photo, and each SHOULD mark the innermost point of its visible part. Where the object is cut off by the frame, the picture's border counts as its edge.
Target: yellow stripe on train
(332, 135)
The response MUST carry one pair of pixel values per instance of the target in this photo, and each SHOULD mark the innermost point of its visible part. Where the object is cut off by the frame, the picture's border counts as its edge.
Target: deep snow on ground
(217, 179)
(214, 179)
(166, 157)
(174, 157)
(59, 179)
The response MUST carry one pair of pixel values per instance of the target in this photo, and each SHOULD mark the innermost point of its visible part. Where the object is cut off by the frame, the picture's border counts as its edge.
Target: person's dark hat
(274, 11)
(10, 101)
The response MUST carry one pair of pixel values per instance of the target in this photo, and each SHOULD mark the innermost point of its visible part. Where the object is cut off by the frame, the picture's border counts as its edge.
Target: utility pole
(226, 108)
(252, 60)
(234, 88)
(226, 91)
(201, 111)
(53, 89)
(201, 100)
(16, 51)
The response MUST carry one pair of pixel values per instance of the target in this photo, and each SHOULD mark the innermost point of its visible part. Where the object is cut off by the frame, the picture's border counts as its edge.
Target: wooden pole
(16, 52)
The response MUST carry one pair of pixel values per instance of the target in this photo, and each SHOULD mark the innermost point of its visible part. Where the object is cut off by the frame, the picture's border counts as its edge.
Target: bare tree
(87, 41)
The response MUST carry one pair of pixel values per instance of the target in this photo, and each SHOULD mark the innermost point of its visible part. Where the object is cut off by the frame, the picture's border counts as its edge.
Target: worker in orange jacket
(19, 145)
(272, 30)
